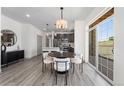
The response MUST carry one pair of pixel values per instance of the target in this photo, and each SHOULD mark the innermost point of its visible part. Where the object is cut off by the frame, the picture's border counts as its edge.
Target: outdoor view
(106, 47)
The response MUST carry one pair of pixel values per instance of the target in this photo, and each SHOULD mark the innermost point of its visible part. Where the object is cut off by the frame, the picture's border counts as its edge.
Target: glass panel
(92, 47)
(100, 67)
(105, 47)
(110, 74)
(104, 70)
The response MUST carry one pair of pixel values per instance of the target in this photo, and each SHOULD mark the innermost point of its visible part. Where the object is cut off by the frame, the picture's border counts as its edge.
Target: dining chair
(47, 60)
(61, 65)
(77, 60)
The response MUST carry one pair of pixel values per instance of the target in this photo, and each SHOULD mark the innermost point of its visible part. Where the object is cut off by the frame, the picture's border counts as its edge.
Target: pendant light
(61, 23)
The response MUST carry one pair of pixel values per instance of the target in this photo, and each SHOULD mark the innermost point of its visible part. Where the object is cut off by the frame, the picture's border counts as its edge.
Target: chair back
(61, 64)
(61, 59)
(45, 55)
(79, 56)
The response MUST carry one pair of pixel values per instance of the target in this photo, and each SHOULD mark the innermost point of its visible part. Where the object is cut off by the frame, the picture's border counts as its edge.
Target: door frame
(95, 67)
(41, 43)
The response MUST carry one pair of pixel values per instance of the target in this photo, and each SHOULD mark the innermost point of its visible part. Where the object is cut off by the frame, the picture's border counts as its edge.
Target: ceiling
(40, 16)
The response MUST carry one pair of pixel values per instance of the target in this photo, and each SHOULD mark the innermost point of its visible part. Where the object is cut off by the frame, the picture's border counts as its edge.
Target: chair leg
(51, 67)
(79, 67)
(82, 67)
(43, 67)
(71, 65)
(56, 76)
(73, 68)
(66, 74)
(66, 77)
(56, 71)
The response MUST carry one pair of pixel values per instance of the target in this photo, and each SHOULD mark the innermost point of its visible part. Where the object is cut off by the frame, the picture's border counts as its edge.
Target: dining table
(62, 55)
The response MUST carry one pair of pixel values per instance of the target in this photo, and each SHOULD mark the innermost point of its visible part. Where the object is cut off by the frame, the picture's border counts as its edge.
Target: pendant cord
(61, 8)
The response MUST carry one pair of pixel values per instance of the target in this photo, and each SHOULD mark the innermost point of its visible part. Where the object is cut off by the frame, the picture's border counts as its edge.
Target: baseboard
(0, 69)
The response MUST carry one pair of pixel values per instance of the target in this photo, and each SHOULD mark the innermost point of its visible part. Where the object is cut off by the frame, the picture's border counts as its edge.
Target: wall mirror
(8, 37)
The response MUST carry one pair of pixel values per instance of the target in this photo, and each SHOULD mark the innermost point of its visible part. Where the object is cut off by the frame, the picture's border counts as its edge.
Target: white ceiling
(40, 16)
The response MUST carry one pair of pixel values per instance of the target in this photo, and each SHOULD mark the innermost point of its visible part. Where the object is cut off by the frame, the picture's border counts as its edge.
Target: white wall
(79, 37)
(8, 23)
(29, 40)
(26, 36)
(119, 47)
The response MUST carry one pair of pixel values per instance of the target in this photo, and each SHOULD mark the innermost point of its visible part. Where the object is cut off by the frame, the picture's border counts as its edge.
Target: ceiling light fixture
(47, 30)
(28, 16)
(61, 23)
(1, 34)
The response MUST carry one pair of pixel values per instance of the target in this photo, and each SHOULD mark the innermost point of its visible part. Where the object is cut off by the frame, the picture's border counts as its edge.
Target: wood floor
(29, 73)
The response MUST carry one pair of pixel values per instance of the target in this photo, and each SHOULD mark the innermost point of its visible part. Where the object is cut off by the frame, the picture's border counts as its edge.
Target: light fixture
(47, 30)
(47, 34)
(55, 34)
(28, 16)
(61, 23)
(1, 34)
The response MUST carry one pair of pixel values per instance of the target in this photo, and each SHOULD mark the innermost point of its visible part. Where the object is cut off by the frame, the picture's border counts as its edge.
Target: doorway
(39, 45)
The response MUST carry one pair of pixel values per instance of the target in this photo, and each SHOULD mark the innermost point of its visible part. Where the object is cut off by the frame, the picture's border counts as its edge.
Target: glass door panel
(105, 47)
(92, 47)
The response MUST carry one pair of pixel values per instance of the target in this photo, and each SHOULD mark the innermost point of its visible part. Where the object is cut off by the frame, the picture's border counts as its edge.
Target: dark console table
(11, 57)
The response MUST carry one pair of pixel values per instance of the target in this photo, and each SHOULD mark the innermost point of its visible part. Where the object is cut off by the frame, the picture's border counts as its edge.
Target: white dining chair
(46, 61)
(77, 60)
(62, 65)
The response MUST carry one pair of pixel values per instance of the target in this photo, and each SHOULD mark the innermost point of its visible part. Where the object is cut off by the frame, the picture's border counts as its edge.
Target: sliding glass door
(106, 47)
(101, 44)
(92, 47)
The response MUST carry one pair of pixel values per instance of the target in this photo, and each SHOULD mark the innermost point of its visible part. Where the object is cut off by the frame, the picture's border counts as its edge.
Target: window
(106, 47)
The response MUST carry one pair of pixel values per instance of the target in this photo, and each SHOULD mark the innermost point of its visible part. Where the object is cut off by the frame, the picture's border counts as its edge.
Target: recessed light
(27, 15)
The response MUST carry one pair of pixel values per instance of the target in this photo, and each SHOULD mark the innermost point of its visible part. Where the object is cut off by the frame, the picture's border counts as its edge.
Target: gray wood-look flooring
(29, 73)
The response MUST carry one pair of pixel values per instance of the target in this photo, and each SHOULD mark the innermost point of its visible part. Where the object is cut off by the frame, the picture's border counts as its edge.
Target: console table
(11, 57)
